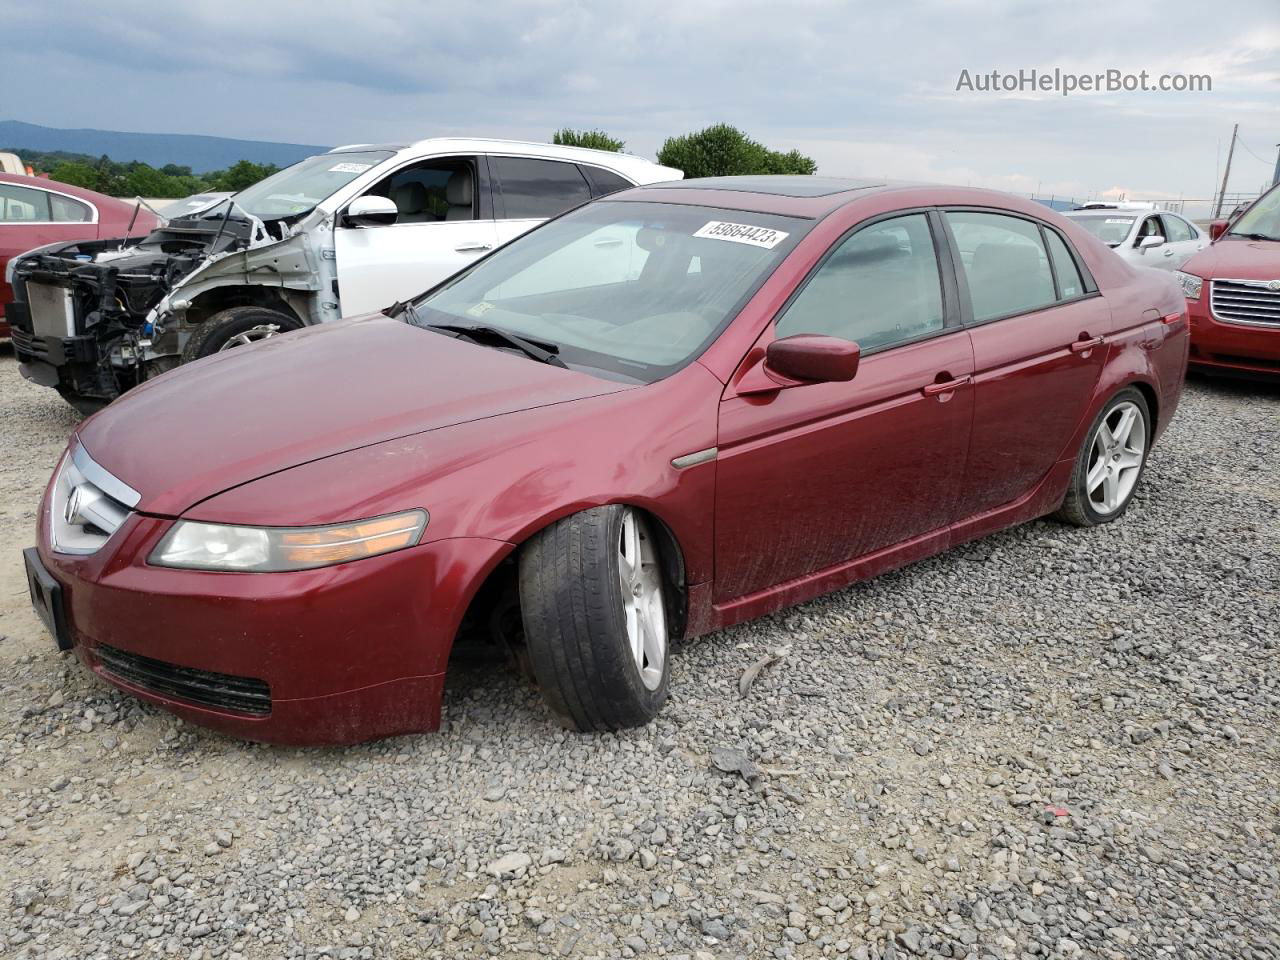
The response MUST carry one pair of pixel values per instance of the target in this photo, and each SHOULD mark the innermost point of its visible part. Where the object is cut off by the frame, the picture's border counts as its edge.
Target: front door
(444, 222)
(811, 476)
(1039, 332)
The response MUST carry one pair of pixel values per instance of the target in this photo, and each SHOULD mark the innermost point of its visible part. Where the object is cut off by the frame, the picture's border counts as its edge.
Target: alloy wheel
(1115, 457)
(643, 609)
(262, 331)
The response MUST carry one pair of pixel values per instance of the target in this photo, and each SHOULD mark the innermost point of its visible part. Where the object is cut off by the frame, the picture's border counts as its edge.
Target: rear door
(814, 475)
(1039, 333)
(444, 222)
(528, 190)
(1181, 241)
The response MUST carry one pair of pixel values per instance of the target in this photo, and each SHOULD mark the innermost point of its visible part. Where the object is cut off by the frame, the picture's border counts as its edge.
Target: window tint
(1004, 263)
(604, 181)
(1176, 228)
(539, 188)
(22, 204)
(1069, 282)
(880, 286)
(437, 189)
(66, 210)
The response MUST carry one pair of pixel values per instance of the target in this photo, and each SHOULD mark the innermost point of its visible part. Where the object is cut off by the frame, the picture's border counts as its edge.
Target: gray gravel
(1052, 743)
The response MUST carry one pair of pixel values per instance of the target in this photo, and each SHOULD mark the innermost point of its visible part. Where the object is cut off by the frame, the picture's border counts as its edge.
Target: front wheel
(593, 601)
(236, 327)
(1110, 462)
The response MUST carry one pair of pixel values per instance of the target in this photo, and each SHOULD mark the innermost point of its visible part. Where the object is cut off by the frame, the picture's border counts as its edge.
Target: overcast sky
(866, 89)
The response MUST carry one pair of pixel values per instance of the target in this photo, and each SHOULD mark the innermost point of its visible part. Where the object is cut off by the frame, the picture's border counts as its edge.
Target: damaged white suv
(347, 232)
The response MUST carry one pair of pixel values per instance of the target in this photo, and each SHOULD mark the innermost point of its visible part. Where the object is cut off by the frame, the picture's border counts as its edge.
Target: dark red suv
(1233, 294)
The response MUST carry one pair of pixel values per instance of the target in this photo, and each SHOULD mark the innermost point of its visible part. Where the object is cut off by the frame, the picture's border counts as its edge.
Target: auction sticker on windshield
(350, 167)
(741, 233)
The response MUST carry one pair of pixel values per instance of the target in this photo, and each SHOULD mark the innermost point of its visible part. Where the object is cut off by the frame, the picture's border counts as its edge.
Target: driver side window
(442, 188)
(880, 286)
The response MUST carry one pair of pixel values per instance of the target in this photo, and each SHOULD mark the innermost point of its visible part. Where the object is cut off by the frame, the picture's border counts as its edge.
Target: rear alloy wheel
(236, 327)
(1110, 463)
(593, 600)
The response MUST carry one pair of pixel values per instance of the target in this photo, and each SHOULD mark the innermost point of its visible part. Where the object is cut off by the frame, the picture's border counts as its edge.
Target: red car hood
(1237, 259)
(239, 416)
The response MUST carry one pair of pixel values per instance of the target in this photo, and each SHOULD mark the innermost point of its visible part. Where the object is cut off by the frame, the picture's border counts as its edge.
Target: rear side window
(1070, 283)
(23, 205)
(66, 210)
(604, 181)
(880, 286)
(1004, 262)
(539, 188)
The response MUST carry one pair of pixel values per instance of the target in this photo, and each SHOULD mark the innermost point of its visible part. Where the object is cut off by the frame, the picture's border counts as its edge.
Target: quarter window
(1064, 265)
(878, 287)
(23, 205)
(66, 210)
(604, 181)
(537, 189)
(1004, 262)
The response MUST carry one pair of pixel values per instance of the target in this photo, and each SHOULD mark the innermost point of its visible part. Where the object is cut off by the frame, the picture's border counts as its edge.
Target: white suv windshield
(628, 289)
(299, 188)
(1108, 228)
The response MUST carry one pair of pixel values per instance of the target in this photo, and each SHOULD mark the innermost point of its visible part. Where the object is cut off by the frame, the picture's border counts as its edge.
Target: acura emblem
(1274, 285)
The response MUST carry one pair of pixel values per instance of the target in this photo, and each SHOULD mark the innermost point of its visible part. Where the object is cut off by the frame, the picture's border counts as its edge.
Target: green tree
(240, 175)
(725, 151)
(77, 173)
(593, 139)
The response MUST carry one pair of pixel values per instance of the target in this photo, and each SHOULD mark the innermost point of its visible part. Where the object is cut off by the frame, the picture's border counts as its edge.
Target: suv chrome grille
(87, 504)
(1255, 303)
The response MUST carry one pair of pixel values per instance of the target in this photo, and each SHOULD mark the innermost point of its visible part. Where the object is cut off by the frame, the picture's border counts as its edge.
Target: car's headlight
(217, 546)
(1191, 284)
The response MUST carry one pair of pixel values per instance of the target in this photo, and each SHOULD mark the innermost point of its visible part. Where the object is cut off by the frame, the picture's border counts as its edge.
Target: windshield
(299, 188)
(1109, 229)
(623, 289)
(1261, 219)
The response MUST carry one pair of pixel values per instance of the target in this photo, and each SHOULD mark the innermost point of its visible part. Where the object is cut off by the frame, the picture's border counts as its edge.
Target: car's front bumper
(345, 653)
(1251, 350)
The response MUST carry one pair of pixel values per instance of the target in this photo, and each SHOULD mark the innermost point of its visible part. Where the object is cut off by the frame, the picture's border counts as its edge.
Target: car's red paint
(110, 218)
(815, 485)
(1233, 347)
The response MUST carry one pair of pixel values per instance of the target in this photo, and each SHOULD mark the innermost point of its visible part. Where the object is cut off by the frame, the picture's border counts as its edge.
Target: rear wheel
(236, 327)
(1110, 462)
(593, 601)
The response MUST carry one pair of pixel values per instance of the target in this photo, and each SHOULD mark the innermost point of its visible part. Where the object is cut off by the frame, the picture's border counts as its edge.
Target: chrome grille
(87, 504)
(1252, 302)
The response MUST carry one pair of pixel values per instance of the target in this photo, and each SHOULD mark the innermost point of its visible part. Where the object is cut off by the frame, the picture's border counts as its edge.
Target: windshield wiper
(1253, 236)
(542, 352)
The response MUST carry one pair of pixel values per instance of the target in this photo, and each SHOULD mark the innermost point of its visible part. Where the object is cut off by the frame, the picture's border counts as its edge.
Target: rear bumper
(1231, 347)
(343, 654)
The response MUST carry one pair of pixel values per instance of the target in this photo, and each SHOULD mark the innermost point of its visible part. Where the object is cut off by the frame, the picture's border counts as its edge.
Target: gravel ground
(1052, 743)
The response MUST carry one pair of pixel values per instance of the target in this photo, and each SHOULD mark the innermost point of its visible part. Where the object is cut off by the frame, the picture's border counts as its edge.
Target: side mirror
(370, 211)
(1217, 228)
(1146, 243)
(813, 358)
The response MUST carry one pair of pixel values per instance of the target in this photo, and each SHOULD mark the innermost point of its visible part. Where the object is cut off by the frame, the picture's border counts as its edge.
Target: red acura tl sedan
(35, 211)
(657, 415)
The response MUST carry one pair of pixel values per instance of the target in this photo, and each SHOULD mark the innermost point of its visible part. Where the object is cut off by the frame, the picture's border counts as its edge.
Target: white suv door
(444, 222)
(1181, 241)
(529, 190)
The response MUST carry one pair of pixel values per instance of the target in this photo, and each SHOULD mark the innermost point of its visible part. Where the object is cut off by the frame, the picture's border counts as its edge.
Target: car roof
(795, 195)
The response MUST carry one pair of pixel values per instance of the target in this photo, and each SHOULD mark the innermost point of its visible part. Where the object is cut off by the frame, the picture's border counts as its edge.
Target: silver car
(1146, 238)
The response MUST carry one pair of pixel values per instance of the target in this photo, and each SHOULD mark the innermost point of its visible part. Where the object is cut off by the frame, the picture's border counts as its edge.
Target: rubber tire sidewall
(210, 336)
(1077, 508)
(575, 632)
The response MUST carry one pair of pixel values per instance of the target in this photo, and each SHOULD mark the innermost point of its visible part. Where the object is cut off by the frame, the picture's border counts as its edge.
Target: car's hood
(217, 423)
(1235, 258)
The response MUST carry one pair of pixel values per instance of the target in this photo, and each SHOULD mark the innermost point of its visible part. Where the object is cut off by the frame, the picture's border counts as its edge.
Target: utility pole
(1222, 194)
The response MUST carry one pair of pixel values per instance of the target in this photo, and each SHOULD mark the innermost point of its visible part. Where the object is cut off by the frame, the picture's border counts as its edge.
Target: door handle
(948, 386)
(473, 247)
(1084, 346)
(1168, 253)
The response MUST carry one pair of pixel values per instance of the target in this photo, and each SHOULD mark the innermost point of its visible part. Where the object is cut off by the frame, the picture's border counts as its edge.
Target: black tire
(213, 334)
(1078, 507)
(85, 406)
(572, 607)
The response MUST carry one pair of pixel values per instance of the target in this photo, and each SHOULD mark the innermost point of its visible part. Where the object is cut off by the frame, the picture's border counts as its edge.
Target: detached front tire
(236, 327)
(1110, 462)
(593, 601)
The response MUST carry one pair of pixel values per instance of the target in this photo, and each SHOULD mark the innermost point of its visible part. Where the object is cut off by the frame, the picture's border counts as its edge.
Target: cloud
(859, 87)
